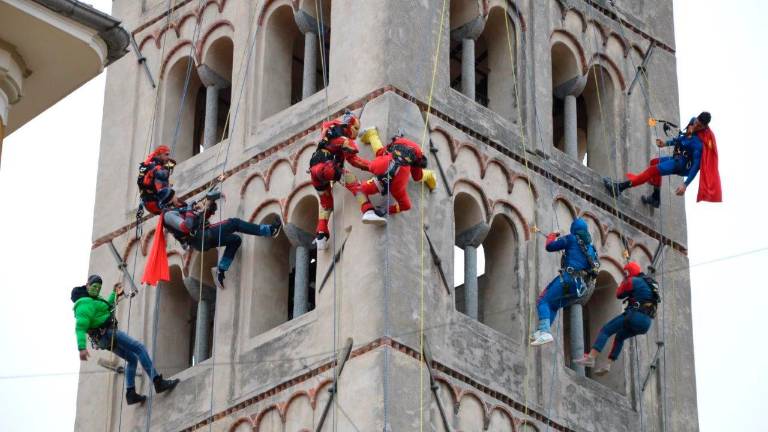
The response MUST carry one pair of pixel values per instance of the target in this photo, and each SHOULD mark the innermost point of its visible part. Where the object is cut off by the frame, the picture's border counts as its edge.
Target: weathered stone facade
(270, 371)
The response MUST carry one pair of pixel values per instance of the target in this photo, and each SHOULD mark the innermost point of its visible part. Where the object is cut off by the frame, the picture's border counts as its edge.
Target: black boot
(162, 385)
(654, 199)
(615, 188)
(274, 228)
(220, 277)
(131, 397)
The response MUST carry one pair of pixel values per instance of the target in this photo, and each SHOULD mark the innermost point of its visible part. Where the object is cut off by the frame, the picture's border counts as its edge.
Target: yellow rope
(535, 227)
(424, 138)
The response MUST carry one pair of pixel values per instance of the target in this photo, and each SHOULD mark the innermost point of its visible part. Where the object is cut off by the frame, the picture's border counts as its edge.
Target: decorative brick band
(377, 343)
(464, 128)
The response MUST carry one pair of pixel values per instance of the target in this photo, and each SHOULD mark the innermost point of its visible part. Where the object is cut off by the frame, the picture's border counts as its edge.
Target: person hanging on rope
(94, 317)
(394, 164)
(337, 145)
(579, 265)
(641, 294)
(190, 225)
(154, 181)
(685, 161)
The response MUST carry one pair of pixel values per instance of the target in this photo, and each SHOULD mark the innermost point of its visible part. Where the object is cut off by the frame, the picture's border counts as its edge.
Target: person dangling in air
(154, 181)
(641, 294)
(578, 268)
(337, 145)
(393, 166)
(190, 225)
(685, 161)
(94, 317)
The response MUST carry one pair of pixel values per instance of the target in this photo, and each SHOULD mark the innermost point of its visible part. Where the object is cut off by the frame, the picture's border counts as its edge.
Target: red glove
(552, 236)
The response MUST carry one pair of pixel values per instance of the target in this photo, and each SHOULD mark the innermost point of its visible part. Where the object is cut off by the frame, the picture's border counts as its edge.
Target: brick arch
(172, 56)
(265, 204)
(202, 46)
(247, 182)
(602, 60)
(303, 190)
(510, 7)
(470, 188)
(515, 218)
(571, 42)
(241, 421)
(270, 6)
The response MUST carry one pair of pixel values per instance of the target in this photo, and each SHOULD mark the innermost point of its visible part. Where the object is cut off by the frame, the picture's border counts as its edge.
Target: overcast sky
(47, 184)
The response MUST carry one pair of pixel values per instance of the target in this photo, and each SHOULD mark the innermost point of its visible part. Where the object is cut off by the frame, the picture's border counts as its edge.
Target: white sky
(47, 183)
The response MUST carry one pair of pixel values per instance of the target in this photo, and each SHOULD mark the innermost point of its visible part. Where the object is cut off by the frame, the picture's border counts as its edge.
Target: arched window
(174, 341)
(499, 284)
(292, 61)
(567, 105)
(281, 35)
(303, 257)
(480, 64)
(599, 128)
(216, 75)
(202, 290)
(470, 230)
(183, 123)
(270, 283)
(602, 307)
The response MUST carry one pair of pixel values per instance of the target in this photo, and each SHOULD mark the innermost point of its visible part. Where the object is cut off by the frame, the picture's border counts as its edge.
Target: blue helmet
(580, 229)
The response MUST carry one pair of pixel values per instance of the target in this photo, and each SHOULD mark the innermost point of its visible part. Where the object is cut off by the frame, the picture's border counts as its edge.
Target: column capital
(471, 30)
(298, 237)
(571, 87)
(210, 78)
(307, 23)
(473, 236)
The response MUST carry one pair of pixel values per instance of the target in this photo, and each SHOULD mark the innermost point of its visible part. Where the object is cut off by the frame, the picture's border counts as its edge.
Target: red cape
(156, 268)
(709, 180)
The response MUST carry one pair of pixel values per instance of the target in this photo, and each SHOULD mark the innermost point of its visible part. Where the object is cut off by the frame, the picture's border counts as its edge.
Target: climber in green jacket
(94, 316)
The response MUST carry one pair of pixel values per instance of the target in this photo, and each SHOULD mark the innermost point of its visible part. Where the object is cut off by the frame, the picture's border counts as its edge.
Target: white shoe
(585, 361)
(321, 243)
(536, 335)
(544, 338)
(370, 217)
(602, 370)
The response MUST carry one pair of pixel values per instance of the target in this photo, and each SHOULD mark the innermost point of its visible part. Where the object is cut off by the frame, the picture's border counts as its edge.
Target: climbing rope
(535, 229)
(424, 141)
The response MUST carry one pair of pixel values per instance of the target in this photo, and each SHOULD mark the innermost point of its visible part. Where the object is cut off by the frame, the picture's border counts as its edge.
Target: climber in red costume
(154, 181)
(394, 164)
(337, 145)
(690, 157)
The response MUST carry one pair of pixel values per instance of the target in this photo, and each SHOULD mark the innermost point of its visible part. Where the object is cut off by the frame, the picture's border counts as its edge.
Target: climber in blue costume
(579, 266)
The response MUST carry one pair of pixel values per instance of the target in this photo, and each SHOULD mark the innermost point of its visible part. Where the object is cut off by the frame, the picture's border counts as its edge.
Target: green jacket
(90, 313)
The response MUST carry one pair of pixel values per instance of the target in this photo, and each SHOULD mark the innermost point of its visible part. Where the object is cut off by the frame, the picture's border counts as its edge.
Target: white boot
(370, 217)
(585, 361)
(543, 338)
(321, 242)
(604, 369)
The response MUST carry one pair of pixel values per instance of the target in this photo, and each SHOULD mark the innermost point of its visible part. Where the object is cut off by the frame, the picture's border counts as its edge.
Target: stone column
(206, 304)
(568, 91)
(302, 241)
(467, 34)
(576, 336)
(469, 240)
(213, 83)
(308, 26)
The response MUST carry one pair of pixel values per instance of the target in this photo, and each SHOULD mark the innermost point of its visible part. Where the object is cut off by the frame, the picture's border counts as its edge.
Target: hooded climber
(337, 145)
(641, 295)
(94, 316)
(579, 265)
(191, 227)
(394, 164)
(685, 161)
(154, 181)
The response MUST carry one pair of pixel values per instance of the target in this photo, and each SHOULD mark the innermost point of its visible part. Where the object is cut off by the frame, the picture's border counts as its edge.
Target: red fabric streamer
(156, 268)
(709, 181)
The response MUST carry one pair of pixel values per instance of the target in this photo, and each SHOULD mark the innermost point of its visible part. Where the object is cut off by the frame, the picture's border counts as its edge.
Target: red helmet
(352, 124)
(632, 269)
